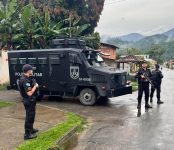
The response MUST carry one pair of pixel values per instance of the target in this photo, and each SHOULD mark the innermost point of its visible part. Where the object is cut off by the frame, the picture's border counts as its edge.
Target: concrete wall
(4, 74)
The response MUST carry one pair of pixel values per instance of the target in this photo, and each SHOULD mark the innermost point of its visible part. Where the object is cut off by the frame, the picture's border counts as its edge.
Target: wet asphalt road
(115, 125)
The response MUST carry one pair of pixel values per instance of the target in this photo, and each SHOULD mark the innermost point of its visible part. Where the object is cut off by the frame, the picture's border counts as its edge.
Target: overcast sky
(120, 17)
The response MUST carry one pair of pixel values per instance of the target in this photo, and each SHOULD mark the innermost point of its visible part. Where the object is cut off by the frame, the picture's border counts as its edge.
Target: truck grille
(120, 80)
(98, 78)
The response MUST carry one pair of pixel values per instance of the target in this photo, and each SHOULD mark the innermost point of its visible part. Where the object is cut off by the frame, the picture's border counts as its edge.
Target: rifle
(148, 79)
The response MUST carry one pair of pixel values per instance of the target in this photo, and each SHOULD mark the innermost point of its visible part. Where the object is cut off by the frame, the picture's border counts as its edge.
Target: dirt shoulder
(12, 119)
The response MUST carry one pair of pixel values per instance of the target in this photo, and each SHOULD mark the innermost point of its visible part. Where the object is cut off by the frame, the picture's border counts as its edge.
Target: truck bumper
(120, 91)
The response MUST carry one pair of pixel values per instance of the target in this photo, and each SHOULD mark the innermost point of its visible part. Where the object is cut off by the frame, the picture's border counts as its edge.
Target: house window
(13, 61)
(22, 61)
(42, 61)
(32, 60)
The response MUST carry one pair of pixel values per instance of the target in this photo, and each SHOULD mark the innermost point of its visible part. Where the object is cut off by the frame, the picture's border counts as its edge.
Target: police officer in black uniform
(143, 76)
(28, 88)
(156, 80)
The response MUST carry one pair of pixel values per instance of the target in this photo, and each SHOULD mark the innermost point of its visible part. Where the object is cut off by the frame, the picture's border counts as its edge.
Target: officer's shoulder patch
(27, 84)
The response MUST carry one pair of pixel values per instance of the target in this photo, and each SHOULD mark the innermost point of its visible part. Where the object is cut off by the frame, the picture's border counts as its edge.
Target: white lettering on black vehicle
(74, 72)
(19, 74)
(85, 79)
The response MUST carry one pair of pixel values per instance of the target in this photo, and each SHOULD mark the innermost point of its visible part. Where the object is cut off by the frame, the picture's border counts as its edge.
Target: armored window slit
(55, 60)
(13, 61)
(22, 61)
(42, 61)
(32, 61)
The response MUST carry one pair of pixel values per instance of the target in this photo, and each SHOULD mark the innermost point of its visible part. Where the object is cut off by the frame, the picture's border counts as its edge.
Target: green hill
(159, 42)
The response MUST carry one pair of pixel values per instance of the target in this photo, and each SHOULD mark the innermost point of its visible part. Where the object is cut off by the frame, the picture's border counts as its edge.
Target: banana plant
(27, 28)
(75, 29)
(46, 28)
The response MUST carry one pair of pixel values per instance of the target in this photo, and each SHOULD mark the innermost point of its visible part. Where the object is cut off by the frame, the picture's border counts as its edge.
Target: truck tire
(9, 87)
(87, 97)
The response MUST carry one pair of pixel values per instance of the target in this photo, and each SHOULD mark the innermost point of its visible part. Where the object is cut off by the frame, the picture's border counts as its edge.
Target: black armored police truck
(70, 68)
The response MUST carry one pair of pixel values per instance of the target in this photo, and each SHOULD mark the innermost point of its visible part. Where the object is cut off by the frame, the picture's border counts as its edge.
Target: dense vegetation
(89, 11)
(28, 24)
(159, 47)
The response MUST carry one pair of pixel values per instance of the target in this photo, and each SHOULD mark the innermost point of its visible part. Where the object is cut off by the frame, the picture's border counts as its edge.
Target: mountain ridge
(135, 37)
(163, 41)
(132, 37)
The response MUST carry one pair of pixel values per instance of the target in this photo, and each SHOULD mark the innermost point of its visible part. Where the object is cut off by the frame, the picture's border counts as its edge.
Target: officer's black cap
(26, 68)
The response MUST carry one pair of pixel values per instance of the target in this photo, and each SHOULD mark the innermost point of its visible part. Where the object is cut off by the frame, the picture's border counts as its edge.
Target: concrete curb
(68, 141)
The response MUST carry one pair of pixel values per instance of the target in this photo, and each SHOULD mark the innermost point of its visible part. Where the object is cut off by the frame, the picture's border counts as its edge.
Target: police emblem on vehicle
(74, 72)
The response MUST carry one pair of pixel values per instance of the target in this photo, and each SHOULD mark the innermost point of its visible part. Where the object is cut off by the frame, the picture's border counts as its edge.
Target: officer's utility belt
(29, 99)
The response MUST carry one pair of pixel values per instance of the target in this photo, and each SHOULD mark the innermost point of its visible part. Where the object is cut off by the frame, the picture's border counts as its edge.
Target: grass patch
(134, 82)
(3, 87)
(5, 104)
(49, 138)
(134, 86)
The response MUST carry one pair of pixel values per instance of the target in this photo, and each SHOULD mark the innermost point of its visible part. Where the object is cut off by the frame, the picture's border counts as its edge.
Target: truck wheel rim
(87, 97)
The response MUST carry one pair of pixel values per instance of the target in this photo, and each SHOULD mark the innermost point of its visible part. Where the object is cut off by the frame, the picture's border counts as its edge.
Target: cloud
(136, 15)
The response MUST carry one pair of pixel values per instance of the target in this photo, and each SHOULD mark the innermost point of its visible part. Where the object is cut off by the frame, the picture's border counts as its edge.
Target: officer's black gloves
(35, 83)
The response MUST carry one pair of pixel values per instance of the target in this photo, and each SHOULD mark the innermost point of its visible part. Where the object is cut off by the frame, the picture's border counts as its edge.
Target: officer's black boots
(160, 102)
(147, 106)
(35, 130)
(139, 106)
(30, 136)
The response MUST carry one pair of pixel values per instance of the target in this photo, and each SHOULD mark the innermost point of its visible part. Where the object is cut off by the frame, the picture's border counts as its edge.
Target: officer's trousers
(30, 107)
(158, 91)
(143, 87)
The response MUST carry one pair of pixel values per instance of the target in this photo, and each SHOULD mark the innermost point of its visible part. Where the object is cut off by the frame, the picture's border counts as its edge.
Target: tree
(156, 52)
(88, 10)
(8, 22)
(134, 51)
(31, 27)
(92, 40)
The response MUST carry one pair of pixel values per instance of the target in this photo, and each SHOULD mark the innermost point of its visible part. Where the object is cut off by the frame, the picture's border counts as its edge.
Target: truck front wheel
(87, 97)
